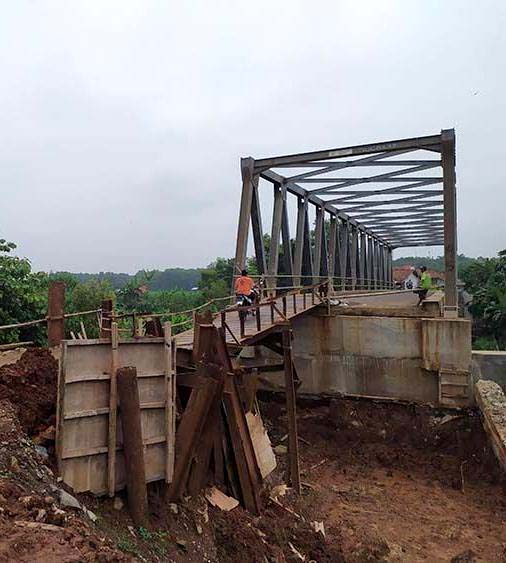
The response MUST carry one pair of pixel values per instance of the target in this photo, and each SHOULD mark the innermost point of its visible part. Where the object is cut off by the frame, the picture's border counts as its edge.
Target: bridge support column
(450, 222)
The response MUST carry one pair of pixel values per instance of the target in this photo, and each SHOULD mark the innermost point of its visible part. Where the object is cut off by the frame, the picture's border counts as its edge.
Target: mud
(30, 385)
(400, 483)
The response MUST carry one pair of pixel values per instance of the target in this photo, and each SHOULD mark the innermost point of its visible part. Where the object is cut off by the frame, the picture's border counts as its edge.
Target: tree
(23, 296)
(485, 279)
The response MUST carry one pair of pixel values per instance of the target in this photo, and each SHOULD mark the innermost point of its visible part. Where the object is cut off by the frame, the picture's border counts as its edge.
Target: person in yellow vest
(425, 285)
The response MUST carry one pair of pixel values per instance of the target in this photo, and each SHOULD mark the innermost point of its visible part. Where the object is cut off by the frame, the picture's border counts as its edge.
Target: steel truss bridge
(366, 200)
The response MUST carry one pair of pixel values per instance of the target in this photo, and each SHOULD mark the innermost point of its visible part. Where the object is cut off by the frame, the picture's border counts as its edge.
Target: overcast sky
(122, 122)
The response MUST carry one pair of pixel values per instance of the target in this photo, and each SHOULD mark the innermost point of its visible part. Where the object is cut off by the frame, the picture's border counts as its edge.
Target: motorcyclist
(244, 287)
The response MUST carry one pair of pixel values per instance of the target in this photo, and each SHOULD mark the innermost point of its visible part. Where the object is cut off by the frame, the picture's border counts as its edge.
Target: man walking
(425, 285)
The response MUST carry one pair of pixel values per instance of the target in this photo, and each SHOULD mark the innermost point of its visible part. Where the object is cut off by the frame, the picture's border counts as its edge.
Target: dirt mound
(30, 385)
(36, 522)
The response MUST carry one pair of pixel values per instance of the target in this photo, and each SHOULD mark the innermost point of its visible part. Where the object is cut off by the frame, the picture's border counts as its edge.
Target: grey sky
(122, 123)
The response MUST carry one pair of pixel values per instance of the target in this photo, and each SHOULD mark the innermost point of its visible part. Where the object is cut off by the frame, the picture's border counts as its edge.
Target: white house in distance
(405, 278)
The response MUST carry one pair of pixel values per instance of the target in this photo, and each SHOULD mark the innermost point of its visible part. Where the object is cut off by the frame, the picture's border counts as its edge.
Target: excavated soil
(381, 481)
(400, 483)
(30, 385)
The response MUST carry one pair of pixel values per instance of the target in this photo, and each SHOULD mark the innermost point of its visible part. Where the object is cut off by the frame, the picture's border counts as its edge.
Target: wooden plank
(55, 313)
(242, 446)
(133, 447)
(293, 445)
(113, 403)
(492, 403)
(192, 424)
(261, 444)
(170, 409)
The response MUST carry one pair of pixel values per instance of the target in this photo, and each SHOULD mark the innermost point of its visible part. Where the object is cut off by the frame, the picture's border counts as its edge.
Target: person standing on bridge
(425, 285)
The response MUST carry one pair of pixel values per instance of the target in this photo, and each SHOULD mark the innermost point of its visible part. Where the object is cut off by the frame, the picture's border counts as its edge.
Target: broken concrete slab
(492, 403)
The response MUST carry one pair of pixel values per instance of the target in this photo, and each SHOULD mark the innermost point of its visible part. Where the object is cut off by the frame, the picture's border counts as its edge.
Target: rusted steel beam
(414, 143)
(244, 214)
(450, 222)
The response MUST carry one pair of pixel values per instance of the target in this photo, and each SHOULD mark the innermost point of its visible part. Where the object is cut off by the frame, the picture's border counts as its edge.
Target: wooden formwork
(86, 421)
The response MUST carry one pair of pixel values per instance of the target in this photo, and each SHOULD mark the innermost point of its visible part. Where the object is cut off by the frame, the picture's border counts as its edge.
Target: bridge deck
(296, 304)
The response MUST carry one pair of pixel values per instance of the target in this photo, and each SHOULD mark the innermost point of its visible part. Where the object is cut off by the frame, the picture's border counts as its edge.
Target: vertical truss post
(375, 264)
(362, 262)
(344, 241)
(380, 265)
(332, 251)
(256, 224)
(287, 243)
(307, 260)
(390, 269)
(277, 216)
(385, 266)
(247, 165)
(353, 257)
(370, 262)
(317, 261)
(299, 240)
(450, 222)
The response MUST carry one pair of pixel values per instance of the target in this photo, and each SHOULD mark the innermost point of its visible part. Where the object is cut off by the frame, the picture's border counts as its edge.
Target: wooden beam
(55, 312)
(170, 400)
(113, 411)
(132, 445)
(293, 446)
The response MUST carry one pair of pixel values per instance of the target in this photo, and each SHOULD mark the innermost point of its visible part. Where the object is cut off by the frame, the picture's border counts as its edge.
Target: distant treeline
(171, 278)
(437, 264)
(189, 278)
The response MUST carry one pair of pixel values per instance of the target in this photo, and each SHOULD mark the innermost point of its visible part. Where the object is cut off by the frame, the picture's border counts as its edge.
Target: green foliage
(216, 279)
(485, 279)
(22, 296)
(171, 278)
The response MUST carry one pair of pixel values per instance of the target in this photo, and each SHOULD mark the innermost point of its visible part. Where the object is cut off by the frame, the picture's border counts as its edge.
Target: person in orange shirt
(244, 286)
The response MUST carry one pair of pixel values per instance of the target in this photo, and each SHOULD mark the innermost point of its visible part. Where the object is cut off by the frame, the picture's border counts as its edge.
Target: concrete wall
(390, 357)
(490, 365)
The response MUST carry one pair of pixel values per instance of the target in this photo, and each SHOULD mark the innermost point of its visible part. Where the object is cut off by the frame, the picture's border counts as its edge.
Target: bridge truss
(394, 194)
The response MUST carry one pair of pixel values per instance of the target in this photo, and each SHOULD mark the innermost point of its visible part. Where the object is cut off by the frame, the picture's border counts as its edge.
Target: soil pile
(37, 521)
(30, 385)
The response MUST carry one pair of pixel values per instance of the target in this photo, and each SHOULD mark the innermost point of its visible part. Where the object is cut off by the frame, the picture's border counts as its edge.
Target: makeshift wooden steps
(453, 388)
